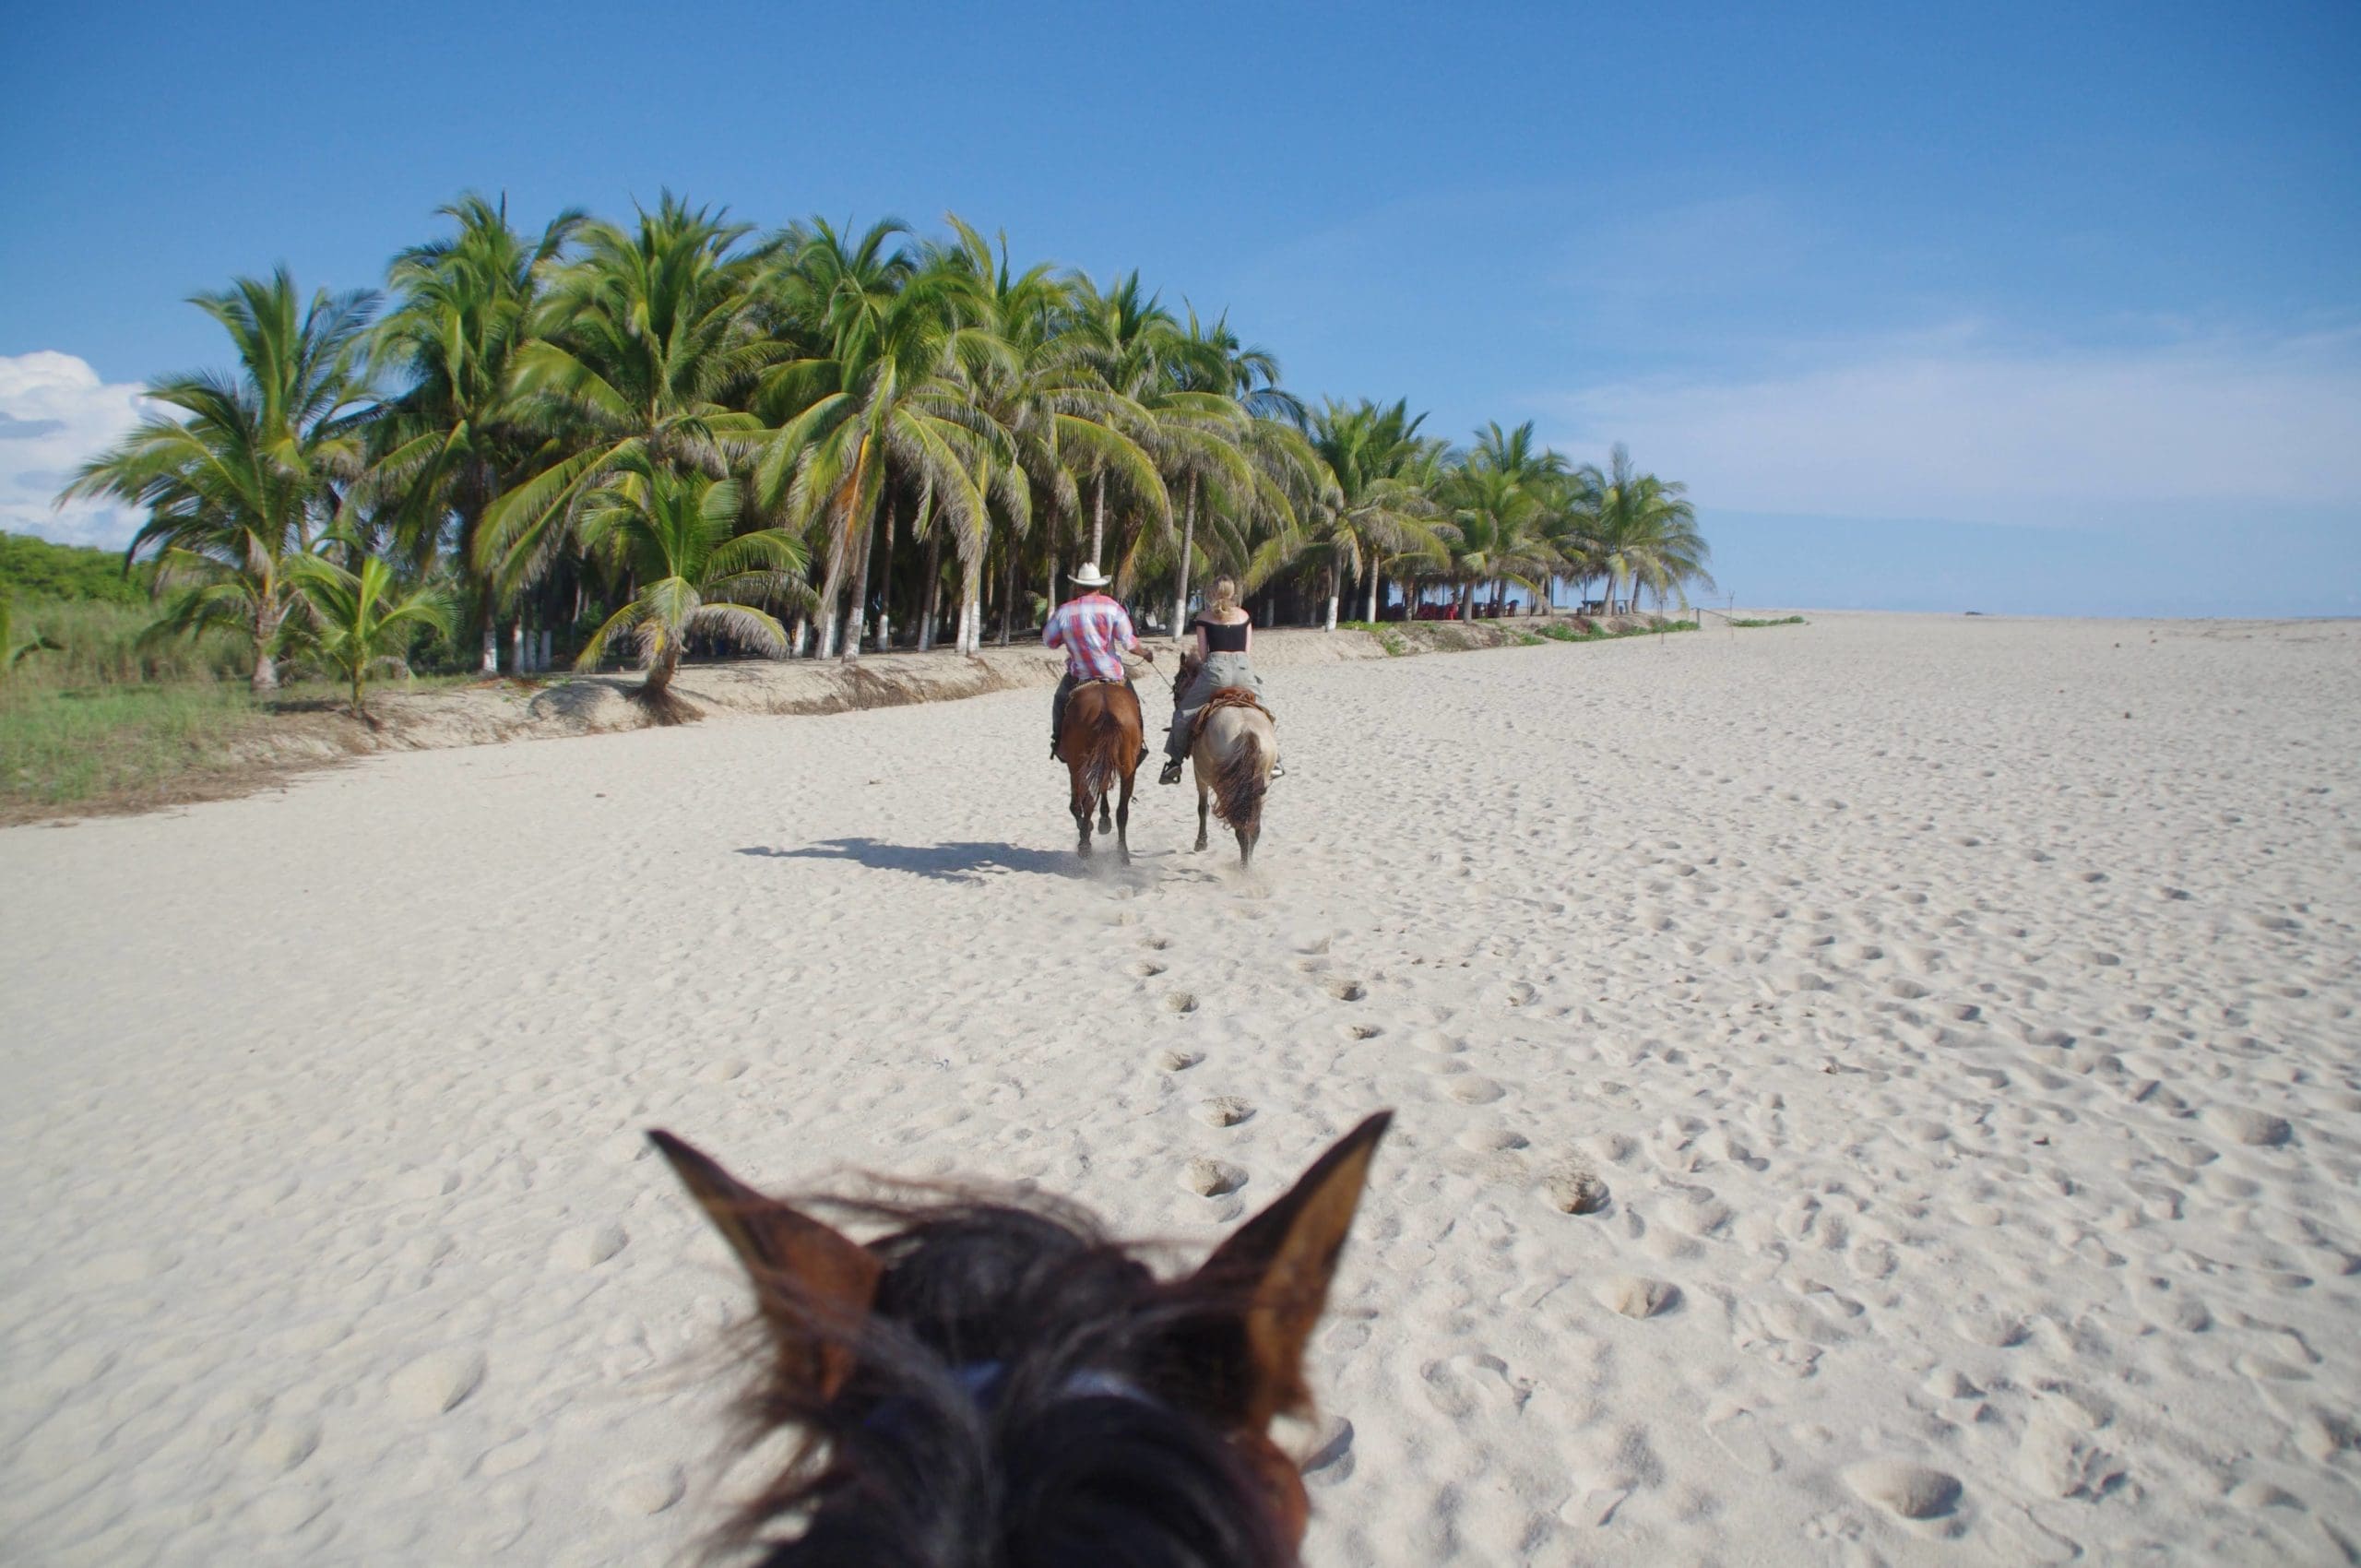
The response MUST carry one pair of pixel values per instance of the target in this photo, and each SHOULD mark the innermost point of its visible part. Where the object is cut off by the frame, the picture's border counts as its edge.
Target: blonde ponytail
(1224, 595)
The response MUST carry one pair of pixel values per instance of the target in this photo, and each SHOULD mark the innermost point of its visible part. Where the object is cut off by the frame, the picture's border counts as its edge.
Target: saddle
(1226, 696)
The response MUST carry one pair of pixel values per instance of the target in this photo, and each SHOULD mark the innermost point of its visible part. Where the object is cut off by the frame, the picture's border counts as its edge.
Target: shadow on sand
(947, 862)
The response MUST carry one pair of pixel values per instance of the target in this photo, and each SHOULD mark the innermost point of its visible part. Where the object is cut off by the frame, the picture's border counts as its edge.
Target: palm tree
(360, 621)
(1378, 511)
(249, 476)
(877, 397)
(1540, 474)
(640, 348)
(1497, 521)
(696, 576)
(1278, 464)
(448, 444)
(1132, 340)
(1641, 531)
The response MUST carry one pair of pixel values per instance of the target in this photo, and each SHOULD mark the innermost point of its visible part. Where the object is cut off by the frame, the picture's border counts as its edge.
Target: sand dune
(1877, 1091)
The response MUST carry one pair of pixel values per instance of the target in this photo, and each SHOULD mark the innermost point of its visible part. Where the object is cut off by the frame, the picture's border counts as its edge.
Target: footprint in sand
(1225, 1111)
(589, 1246)
(1212, 1178)
(1362, 1031)
(1180, 1002)
(1178, 1061)
(1636, 1296)
(1471, 1088)
(2246, 1125)
(284, 1443)
(1147, 968)
(1156, 943)
(436, 1381)
(1915, 1492)
(1574, 1187)
(642, 1491)
(1347, 989)
(1328, 1457)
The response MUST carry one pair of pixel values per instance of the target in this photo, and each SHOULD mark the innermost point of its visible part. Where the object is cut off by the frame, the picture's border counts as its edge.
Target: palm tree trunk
(1008, 597)
(1376, 588)
(856, 608)
(1188, 544)
(1097, 530)
(491, 665)
(1335, 588)
(933, 601)
(266, 628)
(885, 580)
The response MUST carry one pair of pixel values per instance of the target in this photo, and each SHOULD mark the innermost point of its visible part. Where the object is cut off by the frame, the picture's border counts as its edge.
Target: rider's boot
(1171, 773)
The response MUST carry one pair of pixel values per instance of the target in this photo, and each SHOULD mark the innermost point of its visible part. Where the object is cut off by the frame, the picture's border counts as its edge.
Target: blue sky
(1992, 308)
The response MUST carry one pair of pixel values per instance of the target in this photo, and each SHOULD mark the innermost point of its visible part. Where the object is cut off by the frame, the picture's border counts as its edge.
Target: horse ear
(814, 1283)
(1272, 1274)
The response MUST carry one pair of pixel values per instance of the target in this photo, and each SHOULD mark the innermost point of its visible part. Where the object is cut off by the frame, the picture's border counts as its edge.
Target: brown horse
(1101, 744)
(1231, 754)
(994, 1386)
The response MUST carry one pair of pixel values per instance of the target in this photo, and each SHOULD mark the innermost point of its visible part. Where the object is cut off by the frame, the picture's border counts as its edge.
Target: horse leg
(1123, 818)
(1106, 818)
(1203, 800)
(1078, 802)
(1246, 848)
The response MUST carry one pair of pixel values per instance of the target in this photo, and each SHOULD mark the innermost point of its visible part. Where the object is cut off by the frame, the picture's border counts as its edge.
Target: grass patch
(1781, 620)
(1524, 639)
(62, 748)
(1388, 638)
(1583, 632)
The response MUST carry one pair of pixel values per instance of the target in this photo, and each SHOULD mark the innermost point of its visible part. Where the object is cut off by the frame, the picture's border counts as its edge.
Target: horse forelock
(1013, 1402)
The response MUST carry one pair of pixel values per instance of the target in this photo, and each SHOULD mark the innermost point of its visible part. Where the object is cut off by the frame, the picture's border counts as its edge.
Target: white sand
(1957, 1014)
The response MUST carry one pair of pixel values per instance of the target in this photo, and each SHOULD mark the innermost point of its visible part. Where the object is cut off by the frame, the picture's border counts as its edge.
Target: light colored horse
(1231, 754)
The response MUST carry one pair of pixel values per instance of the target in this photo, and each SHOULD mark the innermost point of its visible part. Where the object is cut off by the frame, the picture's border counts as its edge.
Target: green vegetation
(62, 748)
(910, 433)
(1781, 620)
(360, 623)
(32, 568)
(1388, 637)
(1585, 632)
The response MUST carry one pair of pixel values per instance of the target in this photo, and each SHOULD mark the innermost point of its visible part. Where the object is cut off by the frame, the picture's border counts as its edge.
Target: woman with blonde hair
(1225, 637)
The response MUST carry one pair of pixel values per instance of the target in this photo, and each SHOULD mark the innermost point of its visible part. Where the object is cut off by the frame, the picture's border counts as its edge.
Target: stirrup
(1171, 773)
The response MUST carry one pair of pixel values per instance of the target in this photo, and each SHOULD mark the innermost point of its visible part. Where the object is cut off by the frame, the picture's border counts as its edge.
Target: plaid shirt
(1091, 629)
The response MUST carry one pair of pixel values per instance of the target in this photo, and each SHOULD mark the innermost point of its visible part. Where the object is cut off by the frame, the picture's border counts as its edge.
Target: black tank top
(1224, 639)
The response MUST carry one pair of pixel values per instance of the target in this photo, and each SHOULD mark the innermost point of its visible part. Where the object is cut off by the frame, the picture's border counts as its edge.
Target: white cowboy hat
(1088, 576)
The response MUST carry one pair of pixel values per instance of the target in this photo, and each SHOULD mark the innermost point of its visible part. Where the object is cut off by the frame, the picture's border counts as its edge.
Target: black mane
(1019, 1397)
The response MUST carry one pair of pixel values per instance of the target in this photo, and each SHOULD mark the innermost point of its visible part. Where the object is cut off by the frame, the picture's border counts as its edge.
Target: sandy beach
(1958, 1015)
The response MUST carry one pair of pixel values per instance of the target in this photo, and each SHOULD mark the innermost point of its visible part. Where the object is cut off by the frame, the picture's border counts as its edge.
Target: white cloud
(1942, 427)
(55, 414)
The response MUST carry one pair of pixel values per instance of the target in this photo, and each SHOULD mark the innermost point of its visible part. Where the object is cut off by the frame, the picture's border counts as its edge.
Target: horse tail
(1240, 783)
(1109, 746)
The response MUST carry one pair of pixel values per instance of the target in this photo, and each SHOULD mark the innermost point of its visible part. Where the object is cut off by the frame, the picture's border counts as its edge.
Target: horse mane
(1018, 1396)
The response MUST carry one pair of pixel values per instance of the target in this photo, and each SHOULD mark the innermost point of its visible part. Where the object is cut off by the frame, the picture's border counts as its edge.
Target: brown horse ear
(1272, 1274)
(814, 1283)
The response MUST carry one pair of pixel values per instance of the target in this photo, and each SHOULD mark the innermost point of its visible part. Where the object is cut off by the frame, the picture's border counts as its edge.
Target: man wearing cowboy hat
(1094, 630)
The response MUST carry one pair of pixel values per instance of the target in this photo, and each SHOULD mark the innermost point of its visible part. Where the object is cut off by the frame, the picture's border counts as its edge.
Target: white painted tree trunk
(491, 665)
(1376, 592)
(1188, 545)
(1097, 530)
(516, 645)
(1332, 606)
